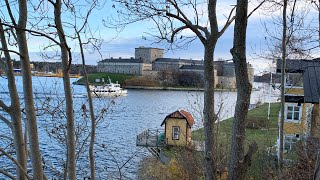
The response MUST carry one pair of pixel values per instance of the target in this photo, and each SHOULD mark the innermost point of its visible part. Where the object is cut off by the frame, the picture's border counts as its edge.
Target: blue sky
(122, 44)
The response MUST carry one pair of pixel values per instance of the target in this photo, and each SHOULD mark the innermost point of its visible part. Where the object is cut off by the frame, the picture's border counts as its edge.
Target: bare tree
(66, 59)
(171, 21)
(239, 162)
(14, 110)
(31, 120)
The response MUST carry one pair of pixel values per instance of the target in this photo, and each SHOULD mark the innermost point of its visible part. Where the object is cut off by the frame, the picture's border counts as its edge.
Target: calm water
(125, 118)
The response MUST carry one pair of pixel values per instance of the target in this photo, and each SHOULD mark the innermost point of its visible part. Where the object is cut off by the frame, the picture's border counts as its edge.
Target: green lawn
(267, 133)
(114, 77)
(265, 137)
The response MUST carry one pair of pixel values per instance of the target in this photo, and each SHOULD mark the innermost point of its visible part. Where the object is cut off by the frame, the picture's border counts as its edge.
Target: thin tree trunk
(283, 74)
(71, 168)
(31, 120)
(239, 163)
(15, 111)
(93, 119)
(209, 115)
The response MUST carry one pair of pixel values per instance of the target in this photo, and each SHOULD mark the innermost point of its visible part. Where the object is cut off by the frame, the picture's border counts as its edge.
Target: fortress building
(150, 61)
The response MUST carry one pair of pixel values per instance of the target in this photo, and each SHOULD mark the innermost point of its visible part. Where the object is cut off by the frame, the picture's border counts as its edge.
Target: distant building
(149, 61)
(162, 64)
(148, 54)
(123, 66)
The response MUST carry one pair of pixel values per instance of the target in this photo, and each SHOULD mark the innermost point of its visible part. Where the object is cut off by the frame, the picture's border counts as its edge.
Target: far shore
(174, 88)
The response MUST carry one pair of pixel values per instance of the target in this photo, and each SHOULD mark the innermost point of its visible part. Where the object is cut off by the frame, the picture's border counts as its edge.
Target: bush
(256, 123)
(141, 81)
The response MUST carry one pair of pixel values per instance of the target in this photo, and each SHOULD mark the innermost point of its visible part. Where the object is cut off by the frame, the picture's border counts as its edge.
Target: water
(116, 152)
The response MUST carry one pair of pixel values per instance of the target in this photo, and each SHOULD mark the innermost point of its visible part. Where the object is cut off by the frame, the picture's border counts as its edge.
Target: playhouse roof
(180, 114)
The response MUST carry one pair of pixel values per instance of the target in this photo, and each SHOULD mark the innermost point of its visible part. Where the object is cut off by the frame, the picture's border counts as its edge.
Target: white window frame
(175, 132)
(293, 105)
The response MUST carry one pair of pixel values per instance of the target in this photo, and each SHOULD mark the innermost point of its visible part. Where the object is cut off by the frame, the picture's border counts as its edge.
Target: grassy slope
(267, 134)
(114, 77)
(265, 138)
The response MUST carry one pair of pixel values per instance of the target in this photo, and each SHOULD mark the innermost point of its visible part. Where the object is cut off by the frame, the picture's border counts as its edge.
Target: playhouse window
(293, 112)
(175, 132)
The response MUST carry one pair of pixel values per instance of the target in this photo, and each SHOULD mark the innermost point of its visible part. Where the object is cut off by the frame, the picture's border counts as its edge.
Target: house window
(175, 132)
(293, 112)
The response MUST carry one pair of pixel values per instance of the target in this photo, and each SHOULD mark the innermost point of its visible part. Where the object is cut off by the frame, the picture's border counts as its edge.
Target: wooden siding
(183, 135)
(298, 128)
(293, 90)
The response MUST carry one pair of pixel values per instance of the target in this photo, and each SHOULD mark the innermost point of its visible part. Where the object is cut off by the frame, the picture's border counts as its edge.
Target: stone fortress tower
(148, 54)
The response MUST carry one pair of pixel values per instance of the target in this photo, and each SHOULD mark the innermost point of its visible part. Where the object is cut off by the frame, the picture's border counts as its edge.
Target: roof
(179, 60)
(120, 60)
(180, 114)
(311, 83)
(192, 67)
(297, 65)
(142, 47)
(311, 77)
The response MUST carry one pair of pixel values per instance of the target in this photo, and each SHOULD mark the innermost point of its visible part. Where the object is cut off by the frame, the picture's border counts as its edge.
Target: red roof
(181, 114)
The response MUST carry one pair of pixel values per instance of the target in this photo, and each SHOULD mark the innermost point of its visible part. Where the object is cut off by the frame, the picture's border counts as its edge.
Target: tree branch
(7, 174)
(15, 162)
(189, 25)
(256, 8)
(228, 22)
(10, 13)
(5, 120)
(4, 106)
(12, 51)
(31, 31)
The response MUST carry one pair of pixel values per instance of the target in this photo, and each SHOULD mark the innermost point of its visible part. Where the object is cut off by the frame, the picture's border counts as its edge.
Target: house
(302, 92)
(177, 129)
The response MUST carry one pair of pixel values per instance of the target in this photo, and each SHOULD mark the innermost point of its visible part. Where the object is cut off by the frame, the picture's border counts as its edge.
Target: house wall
(301, 127)
(183, 136)
(295, 90)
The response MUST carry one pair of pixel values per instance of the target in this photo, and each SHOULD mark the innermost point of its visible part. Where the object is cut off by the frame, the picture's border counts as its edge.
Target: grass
(268, 133)
(114, 77)
(264, 137)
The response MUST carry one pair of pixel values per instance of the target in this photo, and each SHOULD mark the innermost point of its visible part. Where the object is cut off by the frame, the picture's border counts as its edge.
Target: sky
(121, 44)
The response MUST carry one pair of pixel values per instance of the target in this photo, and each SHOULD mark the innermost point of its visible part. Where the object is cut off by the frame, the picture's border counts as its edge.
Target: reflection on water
(127, 117)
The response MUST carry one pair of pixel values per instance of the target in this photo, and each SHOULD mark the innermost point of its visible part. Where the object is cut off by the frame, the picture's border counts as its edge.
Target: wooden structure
(178, 128)
(302, 92)
(177, 132)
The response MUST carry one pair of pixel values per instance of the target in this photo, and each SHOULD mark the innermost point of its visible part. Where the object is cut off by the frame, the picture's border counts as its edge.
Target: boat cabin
(178, 128)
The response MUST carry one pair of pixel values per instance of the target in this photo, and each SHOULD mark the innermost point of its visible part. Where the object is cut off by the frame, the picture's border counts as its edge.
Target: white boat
(111, 89)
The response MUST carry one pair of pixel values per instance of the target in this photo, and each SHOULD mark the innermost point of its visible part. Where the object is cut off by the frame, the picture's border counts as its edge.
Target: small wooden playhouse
(177, 131)
(177, 128)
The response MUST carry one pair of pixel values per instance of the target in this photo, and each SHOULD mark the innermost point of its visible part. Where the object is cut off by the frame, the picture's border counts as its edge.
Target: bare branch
(7, 174)
(256, 8)
(4, 106)
(15, 162)
(31, 31)
(228, 22)
(5, 120)
(10, 13)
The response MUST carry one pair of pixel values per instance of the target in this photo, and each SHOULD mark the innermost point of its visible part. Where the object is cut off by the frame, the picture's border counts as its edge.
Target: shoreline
(173, 88)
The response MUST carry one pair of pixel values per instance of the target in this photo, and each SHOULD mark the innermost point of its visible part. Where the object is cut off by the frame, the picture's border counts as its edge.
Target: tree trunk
(208, 112)
(92, 117)
(239, 163)
(71, 168)
(15, 111)
(31, 120)
(283, 74)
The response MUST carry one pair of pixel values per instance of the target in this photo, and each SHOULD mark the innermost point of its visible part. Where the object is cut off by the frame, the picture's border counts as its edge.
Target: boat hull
(109, 94)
